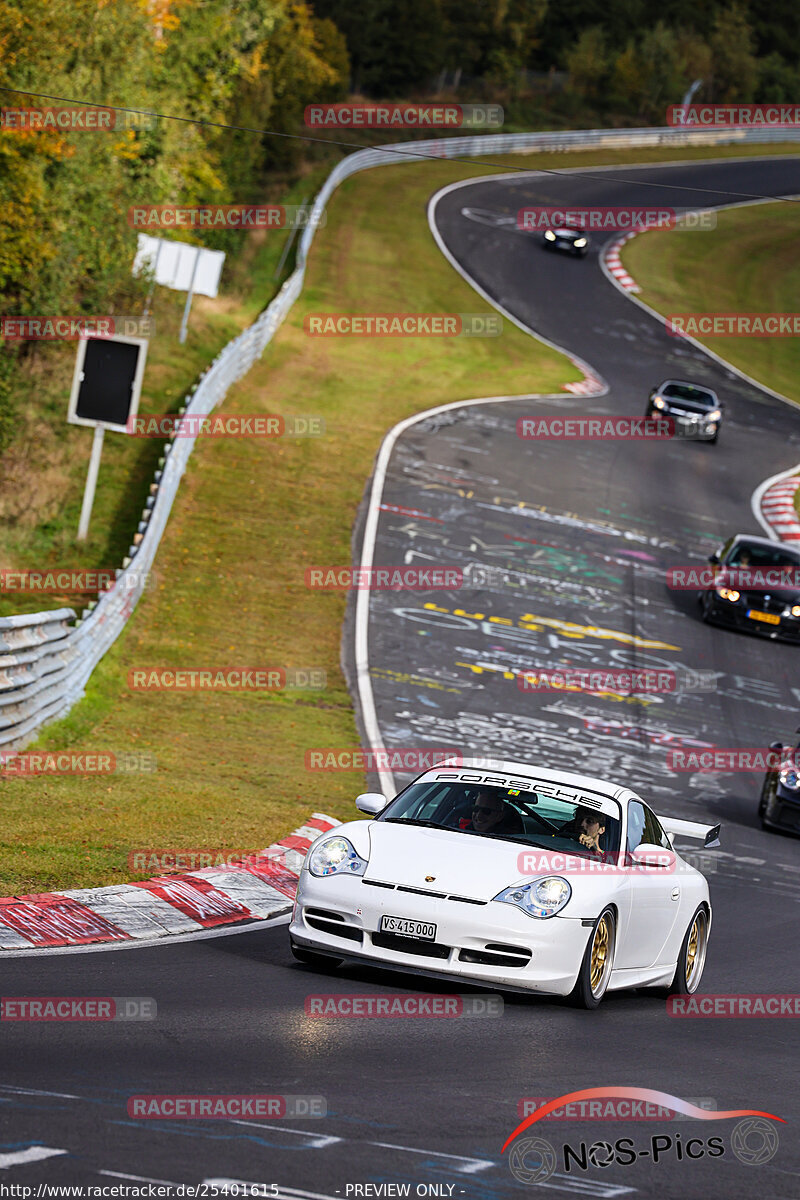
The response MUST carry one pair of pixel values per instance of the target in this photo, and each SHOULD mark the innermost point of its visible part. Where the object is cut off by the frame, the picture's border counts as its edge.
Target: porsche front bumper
(478, 942)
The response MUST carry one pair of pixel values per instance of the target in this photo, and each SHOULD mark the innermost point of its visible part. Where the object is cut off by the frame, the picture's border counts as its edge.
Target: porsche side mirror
(714, 558)
(371, 802)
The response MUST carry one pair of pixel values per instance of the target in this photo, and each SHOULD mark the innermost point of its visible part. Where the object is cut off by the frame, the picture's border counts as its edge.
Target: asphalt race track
(579, 536)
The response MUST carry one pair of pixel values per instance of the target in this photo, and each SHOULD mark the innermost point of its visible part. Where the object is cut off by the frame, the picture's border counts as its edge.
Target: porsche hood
(450, 863)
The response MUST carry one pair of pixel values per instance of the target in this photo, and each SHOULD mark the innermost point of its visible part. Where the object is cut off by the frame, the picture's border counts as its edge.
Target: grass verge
(749, 264)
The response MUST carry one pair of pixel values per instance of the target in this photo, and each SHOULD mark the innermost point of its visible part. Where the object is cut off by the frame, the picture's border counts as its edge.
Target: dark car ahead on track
(756, 589)
(571, 238)
(779, 806)
(696, 411)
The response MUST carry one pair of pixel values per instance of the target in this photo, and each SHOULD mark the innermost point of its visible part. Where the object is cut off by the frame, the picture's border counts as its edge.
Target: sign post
(106, 386)
(189, 294)
(91, 482)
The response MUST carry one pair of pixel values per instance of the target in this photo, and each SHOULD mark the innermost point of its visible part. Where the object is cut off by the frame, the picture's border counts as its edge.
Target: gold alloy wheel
(600, 951)
(694, 950)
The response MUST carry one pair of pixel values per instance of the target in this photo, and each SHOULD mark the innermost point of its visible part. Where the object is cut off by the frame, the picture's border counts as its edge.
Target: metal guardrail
(46, 658)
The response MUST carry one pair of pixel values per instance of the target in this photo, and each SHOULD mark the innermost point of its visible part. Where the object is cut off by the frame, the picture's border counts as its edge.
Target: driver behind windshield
(490, 814)
(587, 827)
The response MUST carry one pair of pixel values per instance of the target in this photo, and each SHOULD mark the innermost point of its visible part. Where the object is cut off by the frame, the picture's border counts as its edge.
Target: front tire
(692, 957)
(598, 961)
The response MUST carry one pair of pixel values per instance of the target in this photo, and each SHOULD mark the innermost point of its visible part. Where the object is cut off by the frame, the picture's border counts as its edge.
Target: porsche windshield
(588, 825)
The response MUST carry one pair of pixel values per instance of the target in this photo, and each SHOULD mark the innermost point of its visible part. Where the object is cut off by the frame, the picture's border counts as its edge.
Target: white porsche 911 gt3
(531, 879)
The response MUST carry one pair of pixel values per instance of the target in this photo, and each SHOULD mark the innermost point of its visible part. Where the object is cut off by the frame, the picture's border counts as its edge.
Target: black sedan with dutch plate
(755, 588)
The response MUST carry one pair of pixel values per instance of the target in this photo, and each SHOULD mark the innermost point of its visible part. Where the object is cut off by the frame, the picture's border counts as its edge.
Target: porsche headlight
(728, 594)
(795, 610)
(542, 898)
(335, 856)
(659, 402)
(714, 415)
(550, 236)
(790, 779)
(579, 242)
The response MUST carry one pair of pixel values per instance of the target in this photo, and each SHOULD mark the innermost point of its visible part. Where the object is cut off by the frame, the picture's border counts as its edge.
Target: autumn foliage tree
(65, 243)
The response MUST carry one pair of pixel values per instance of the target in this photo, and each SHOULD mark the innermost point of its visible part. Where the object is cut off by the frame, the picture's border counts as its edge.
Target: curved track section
(574, 538)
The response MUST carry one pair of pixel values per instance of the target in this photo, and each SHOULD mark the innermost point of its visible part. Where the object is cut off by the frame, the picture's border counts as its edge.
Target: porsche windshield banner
(554, 790)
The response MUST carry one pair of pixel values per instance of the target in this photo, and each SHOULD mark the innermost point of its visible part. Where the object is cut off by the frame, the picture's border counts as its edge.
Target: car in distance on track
(570, 238)
(696, 411)
(756, 589)
(536, 880)
(779, 805)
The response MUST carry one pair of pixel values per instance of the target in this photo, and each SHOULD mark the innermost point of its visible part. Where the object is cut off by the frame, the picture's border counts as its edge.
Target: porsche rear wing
(707, 834)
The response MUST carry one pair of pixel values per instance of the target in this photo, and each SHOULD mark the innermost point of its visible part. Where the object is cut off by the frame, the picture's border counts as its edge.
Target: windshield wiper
(414, 821)
(509, 837)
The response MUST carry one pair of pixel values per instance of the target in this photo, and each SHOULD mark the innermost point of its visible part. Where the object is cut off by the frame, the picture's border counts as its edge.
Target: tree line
(626, 56)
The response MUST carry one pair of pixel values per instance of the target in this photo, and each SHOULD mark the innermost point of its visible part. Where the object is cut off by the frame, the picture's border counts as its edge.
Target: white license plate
(415, 929)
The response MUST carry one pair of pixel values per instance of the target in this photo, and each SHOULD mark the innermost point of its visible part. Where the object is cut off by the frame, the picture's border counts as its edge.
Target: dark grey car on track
(779, 806)
(696, 411)
(569, 238)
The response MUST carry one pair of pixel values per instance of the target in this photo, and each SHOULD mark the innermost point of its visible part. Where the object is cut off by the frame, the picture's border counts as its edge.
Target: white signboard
(180, 266)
